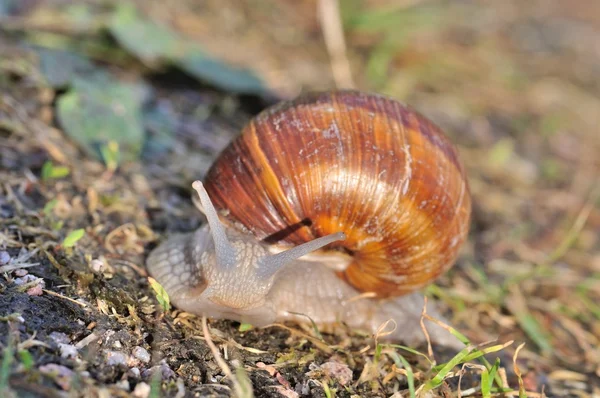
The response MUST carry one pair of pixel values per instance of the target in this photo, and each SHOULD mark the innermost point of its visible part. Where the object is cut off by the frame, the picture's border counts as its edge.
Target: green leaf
(57, 226)
(534, 330)
(50, 171)
(377, 354)
(437, 380)
(411, 350)
(155, 385)
(487, 379)
(61, 67)
(147, 40)
(326, 389)
(73, 237)
(111, 155)
(152, 43)
(48, 207)
(97, 111)
(501, 152)
(161, 294)
(244, 327)
(379, 62)
(213, 71)
(7, 360)
(398, 19)
(26, 359)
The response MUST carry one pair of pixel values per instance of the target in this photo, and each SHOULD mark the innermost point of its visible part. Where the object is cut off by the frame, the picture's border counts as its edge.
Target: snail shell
(359, 163)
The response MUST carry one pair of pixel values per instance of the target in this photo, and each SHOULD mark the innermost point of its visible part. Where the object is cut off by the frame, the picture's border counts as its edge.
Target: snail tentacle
(269, 266)
(224, 250)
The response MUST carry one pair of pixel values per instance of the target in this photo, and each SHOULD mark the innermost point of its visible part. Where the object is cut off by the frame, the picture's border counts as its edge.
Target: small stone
(98, 265)
(38, 289)
(165, 371)
(141, 354)
(25, 279)
(134, 372)
(67, 351)
(6, 210)
(4, 257)
(21, 272)
(123, 385)
(141, 390)
(339, 371)
(114, 358)
(59, 338)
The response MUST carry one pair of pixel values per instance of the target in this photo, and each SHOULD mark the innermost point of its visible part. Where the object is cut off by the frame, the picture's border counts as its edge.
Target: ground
(109, 110)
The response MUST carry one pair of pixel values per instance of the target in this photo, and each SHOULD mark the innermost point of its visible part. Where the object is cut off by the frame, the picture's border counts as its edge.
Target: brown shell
(354, 162)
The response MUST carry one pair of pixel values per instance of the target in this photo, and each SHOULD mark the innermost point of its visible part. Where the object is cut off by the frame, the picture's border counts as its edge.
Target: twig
(219, 359)
(518, 371)
(425, 332)
(50, 292)
(333, 34)
(11, 267)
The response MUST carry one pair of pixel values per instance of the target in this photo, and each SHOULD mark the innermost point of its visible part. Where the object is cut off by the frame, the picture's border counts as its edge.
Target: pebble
(97, 265)
(165, 371)
(67, 351)
(38, 289)
(59, 338)
(336, 370)
(4, 257)
(134, 372)
(141, 354)
(114, 358)
(141, 390)
(123, 385)
(25, 279)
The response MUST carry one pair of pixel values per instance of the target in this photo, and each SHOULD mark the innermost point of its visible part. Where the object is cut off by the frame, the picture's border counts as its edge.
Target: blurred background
(135, 99)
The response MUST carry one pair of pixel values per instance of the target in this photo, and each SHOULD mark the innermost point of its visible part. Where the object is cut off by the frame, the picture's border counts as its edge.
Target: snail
(361, 175)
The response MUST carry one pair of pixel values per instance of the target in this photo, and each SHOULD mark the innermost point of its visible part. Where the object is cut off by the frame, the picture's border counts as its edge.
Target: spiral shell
(354, 162)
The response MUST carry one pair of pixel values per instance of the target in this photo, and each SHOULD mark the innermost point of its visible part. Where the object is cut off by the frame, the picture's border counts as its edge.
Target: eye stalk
(224, 251)
(266, 266)
(270, 265)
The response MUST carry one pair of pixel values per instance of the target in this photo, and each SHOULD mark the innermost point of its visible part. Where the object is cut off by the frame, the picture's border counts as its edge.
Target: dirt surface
(514, 84)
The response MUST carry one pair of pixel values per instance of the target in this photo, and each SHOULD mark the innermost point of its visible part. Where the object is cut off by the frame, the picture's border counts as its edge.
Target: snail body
(375, 181)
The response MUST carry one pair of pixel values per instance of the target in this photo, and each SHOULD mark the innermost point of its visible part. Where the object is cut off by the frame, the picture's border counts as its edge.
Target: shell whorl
(354, 162)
